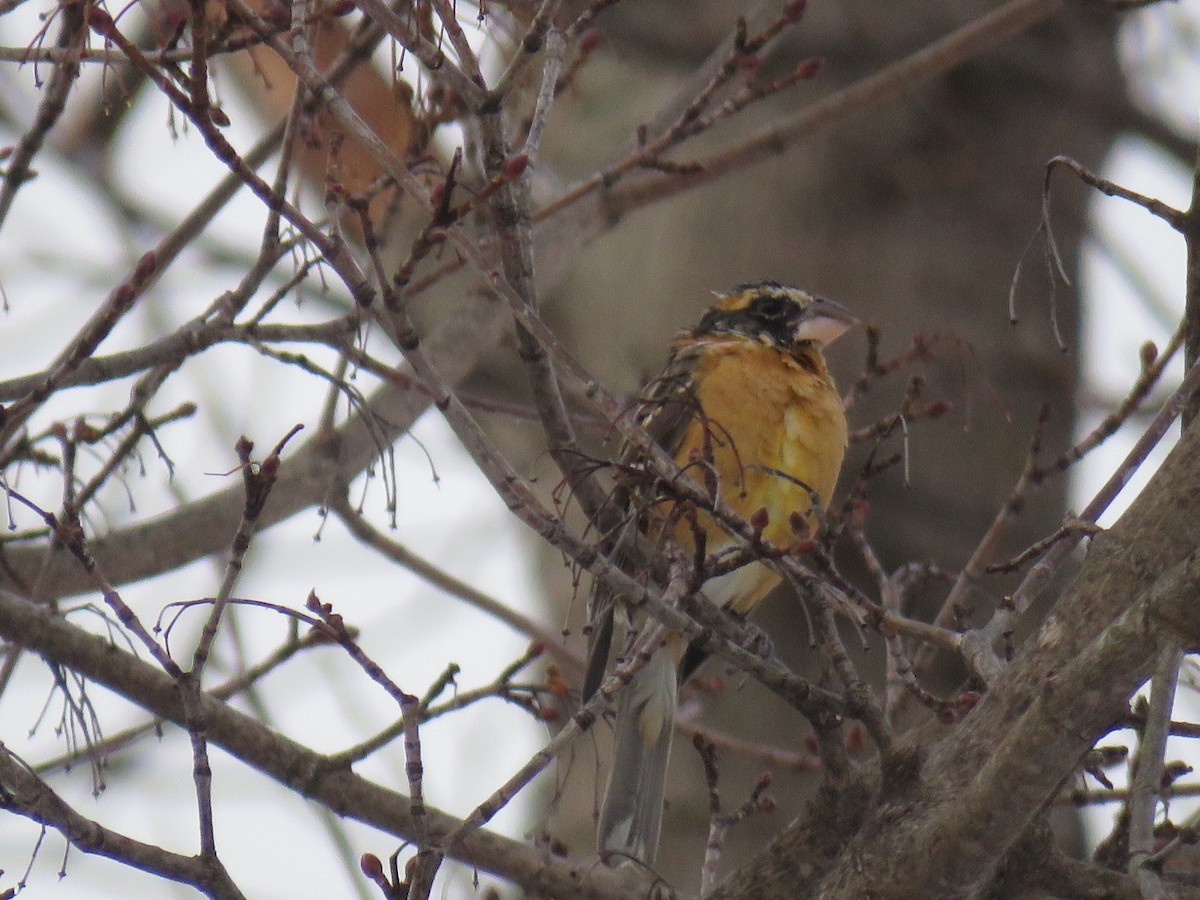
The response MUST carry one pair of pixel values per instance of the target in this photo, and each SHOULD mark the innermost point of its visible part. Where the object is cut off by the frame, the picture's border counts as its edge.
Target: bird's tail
(632, 813)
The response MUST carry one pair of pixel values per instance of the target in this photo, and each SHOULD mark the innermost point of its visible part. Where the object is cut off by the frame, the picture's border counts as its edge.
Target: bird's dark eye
(771, 307)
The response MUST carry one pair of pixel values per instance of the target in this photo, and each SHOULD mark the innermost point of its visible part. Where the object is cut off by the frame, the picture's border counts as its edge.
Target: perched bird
(745, 404)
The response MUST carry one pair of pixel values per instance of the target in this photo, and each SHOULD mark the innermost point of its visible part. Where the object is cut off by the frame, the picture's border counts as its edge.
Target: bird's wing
(668, 404)
(665, 408)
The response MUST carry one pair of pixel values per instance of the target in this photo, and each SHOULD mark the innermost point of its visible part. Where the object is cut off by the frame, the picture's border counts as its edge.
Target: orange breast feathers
(772, 425)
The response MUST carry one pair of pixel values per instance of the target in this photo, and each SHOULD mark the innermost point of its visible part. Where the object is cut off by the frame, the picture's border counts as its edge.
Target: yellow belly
(771, 427)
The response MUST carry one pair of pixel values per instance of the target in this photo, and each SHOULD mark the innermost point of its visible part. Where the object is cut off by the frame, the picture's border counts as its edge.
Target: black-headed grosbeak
(746, 402)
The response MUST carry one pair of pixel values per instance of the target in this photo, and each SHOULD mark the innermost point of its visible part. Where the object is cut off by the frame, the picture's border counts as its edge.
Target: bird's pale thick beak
(824, 322)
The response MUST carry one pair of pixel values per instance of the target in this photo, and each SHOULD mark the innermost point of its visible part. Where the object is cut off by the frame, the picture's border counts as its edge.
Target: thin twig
(1042, 572)
(555, 47)
(117, 741)
(71, 40)
(332, 248)
(978, 644)
(340, 506)
(1173, 217)
(864, 96)
(531, 44)
(720, 823)
(1146, 783)
(647, 642)
(26, 794)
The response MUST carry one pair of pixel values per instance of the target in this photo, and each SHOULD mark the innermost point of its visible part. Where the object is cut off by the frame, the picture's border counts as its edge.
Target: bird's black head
(772, 313)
